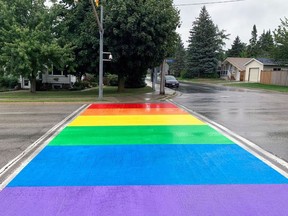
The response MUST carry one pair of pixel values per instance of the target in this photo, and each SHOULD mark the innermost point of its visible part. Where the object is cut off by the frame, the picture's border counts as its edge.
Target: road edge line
(278, 164)
(42, 142)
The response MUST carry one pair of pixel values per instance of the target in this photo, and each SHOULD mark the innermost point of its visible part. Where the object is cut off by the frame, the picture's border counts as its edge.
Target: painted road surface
(151, 159)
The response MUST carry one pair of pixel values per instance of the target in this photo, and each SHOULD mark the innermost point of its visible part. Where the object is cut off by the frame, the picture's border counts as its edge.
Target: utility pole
(154, 78)
(101, 32)
(162, 82)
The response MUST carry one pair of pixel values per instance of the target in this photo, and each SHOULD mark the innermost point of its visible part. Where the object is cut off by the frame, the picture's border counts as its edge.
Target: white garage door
(253, 74)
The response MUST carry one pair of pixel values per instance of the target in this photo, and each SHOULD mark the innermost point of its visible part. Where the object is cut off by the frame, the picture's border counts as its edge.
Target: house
(254, 67)
(234, 68)
(58, 79)
(55, 79)
(24, 82)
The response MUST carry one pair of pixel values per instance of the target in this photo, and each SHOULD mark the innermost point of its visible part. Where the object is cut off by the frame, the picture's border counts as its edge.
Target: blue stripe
(145, 165)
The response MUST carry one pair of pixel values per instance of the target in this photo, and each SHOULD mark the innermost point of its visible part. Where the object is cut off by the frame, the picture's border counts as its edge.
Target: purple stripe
(146, 200)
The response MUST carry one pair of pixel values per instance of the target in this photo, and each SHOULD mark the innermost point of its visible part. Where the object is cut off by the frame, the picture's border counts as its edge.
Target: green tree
(140, 34)
(281, 42)
(27, 42)
(76, 25)
(205, 46)
(266, 44)
(237, 48)
(179, 65)
(253, 47)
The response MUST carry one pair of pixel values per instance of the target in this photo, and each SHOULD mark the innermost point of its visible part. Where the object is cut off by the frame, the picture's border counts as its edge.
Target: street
(143, 159)
(259, 116)
(22, 124)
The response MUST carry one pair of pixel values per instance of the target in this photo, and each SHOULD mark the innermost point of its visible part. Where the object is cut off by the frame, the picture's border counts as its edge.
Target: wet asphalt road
(259, 116)
(159, 161)
(21, 124)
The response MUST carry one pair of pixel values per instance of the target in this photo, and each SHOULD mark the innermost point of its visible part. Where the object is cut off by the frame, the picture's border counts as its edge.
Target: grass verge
(68, 96)
(261, 86)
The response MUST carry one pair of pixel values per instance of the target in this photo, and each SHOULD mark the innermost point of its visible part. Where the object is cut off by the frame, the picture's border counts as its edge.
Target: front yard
(90, 95)
(260, 86)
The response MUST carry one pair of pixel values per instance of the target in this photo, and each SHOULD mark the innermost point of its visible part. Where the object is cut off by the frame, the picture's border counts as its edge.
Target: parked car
(171, 82)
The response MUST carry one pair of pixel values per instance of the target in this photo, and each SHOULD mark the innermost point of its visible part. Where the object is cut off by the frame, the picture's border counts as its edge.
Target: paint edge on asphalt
(36, 147)
(271, 160)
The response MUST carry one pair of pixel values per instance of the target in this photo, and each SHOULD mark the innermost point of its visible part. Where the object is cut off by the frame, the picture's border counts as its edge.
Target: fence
(274, 77)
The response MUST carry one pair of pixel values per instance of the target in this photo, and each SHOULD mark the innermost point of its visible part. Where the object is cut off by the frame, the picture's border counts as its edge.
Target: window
(26, 82)
(56, 72)
(276, 69)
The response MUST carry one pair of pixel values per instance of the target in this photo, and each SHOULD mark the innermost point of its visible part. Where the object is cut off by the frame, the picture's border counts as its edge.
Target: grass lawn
(238, 84)
(68, 96)
(261, 86)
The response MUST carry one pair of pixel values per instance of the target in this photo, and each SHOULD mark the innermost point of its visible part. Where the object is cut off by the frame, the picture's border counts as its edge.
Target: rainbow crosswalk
(149, 159)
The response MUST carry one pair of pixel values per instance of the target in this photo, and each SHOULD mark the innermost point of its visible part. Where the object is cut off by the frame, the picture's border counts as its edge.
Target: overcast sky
(237, 18)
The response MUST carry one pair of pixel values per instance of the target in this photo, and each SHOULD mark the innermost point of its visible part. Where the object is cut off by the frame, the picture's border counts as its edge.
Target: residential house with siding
(255, 67)
(234, 68)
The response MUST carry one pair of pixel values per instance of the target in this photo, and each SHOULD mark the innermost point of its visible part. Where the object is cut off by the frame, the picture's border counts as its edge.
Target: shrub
(8, 82)
(78, 86)
(132, 82)
(111, 80)
(89, 81)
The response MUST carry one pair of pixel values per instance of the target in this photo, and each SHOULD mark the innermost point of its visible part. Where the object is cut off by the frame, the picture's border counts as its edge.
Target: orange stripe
(166, 111)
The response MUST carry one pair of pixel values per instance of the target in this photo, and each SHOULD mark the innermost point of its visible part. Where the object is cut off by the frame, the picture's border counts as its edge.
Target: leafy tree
(140, 34)
(266, 44)
(237, 48)
(281, 42)
(76, 25)
(253, 47)
(27, 41)
(205, 45)
(179, 65)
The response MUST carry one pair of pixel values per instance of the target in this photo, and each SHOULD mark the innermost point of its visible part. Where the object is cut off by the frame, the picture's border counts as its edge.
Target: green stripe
(129, 135)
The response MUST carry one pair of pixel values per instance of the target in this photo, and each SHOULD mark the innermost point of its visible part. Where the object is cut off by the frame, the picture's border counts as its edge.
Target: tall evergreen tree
(205, 43)
(178, 67)
(281, 42)
(266, 44)
(237, 48)
(253, 47)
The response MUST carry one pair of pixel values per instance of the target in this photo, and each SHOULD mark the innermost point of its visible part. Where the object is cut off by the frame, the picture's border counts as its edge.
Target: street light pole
(101, 32)
(101, 53)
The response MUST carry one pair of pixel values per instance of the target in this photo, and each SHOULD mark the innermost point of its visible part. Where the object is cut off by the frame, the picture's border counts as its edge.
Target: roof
(239, 63)
(264, 61)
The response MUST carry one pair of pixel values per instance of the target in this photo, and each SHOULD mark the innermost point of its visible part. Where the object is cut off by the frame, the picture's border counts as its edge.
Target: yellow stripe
(123, 120)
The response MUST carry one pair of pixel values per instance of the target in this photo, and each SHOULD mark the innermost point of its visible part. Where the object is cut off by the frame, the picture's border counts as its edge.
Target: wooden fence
(274, 77)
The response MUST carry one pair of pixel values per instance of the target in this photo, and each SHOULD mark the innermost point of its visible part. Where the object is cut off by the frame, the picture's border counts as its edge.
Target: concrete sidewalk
(148, 97)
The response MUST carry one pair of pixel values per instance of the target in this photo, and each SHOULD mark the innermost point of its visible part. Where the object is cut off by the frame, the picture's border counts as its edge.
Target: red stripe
(132, 105)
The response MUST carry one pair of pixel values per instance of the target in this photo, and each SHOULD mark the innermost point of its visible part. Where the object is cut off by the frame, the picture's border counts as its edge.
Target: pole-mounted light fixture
(110, 57)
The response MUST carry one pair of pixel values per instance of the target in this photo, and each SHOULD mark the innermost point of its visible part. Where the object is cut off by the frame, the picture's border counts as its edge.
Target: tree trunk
(33, 85)
(121, 83)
